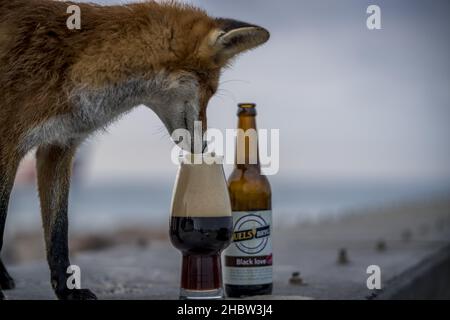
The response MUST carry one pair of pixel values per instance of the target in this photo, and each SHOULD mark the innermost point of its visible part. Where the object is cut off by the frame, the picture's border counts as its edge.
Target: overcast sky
(349, 102)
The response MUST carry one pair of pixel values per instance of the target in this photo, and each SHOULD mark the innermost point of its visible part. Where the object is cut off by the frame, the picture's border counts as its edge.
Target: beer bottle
(248, 260)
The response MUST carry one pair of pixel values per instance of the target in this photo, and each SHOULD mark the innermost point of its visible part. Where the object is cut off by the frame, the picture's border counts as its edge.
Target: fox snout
(178, 104)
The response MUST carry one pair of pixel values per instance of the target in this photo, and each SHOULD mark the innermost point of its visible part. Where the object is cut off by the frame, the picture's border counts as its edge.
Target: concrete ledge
(430, 279)
(416, 266)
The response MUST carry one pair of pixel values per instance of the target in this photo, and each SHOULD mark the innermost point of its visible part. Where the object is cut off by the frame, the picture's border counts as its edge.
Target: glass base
(215, 294)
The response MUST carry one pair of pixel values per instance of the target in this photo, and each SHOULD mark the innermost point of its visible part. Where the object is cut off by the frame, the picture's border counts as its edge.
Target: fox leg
(8, 169)
(54, 165)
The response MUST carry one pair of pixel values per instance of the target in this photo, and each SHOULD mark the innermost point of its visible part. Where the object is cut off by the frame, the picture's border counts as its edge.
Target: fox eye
(202, 75)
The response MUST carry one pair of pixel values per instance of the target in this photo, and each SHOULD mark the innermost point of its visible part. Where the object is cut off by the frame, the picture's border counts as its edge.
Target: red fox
(58, 86)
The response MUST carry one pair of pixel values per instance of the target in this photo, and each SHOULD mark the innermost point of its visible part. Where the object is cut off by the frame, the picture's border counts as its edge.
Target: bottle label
(248, 259)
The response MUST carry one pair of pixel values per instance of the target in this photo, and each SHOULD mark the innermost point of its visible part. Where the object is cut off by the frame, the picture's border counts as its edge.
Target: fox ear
(233, 37)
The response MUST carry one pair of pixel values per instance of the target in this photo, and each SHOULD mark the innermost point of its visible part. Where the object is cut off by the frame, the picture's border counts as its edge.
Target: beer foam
(200, 191)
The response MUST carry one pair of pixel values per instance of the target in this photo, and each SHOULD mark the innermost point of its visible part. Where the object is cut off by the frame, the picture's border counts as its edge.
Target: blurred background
(363, 118)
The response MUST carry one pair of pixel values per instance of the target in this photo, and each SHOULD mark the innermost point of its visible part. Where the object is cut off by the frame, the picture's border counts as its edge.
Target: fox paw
(6, 282)
(2, 296)
(76, 294)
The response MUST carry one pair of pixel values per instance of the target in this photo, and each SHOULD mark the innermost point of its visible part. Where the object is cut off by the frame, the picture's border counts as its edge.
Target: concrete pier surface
(323, 260)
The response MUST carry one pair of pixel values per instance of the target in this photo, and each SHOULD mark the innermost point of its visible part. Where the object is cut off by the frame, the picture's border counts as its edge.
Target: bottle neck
(247, 151)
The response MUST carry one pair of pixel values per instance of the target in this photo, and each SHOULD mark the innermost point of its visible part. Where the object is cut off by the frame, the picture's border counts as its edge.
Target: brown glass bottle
(248, 260)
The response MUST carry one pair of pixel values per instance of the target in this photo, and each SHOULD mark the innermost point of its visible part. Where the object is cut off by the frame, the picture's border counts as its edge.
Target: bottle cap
(248, 109)
(247, 105)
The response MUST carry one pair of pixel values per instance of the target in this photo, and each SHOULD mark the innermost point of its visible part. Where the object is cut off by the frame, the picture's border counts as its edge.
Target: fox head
(169, 57)
(225, 40)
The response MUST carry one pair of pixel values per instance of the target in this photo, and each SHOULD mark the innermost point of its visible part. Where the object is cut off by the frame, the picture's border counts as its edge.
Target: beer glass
(201, 225)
